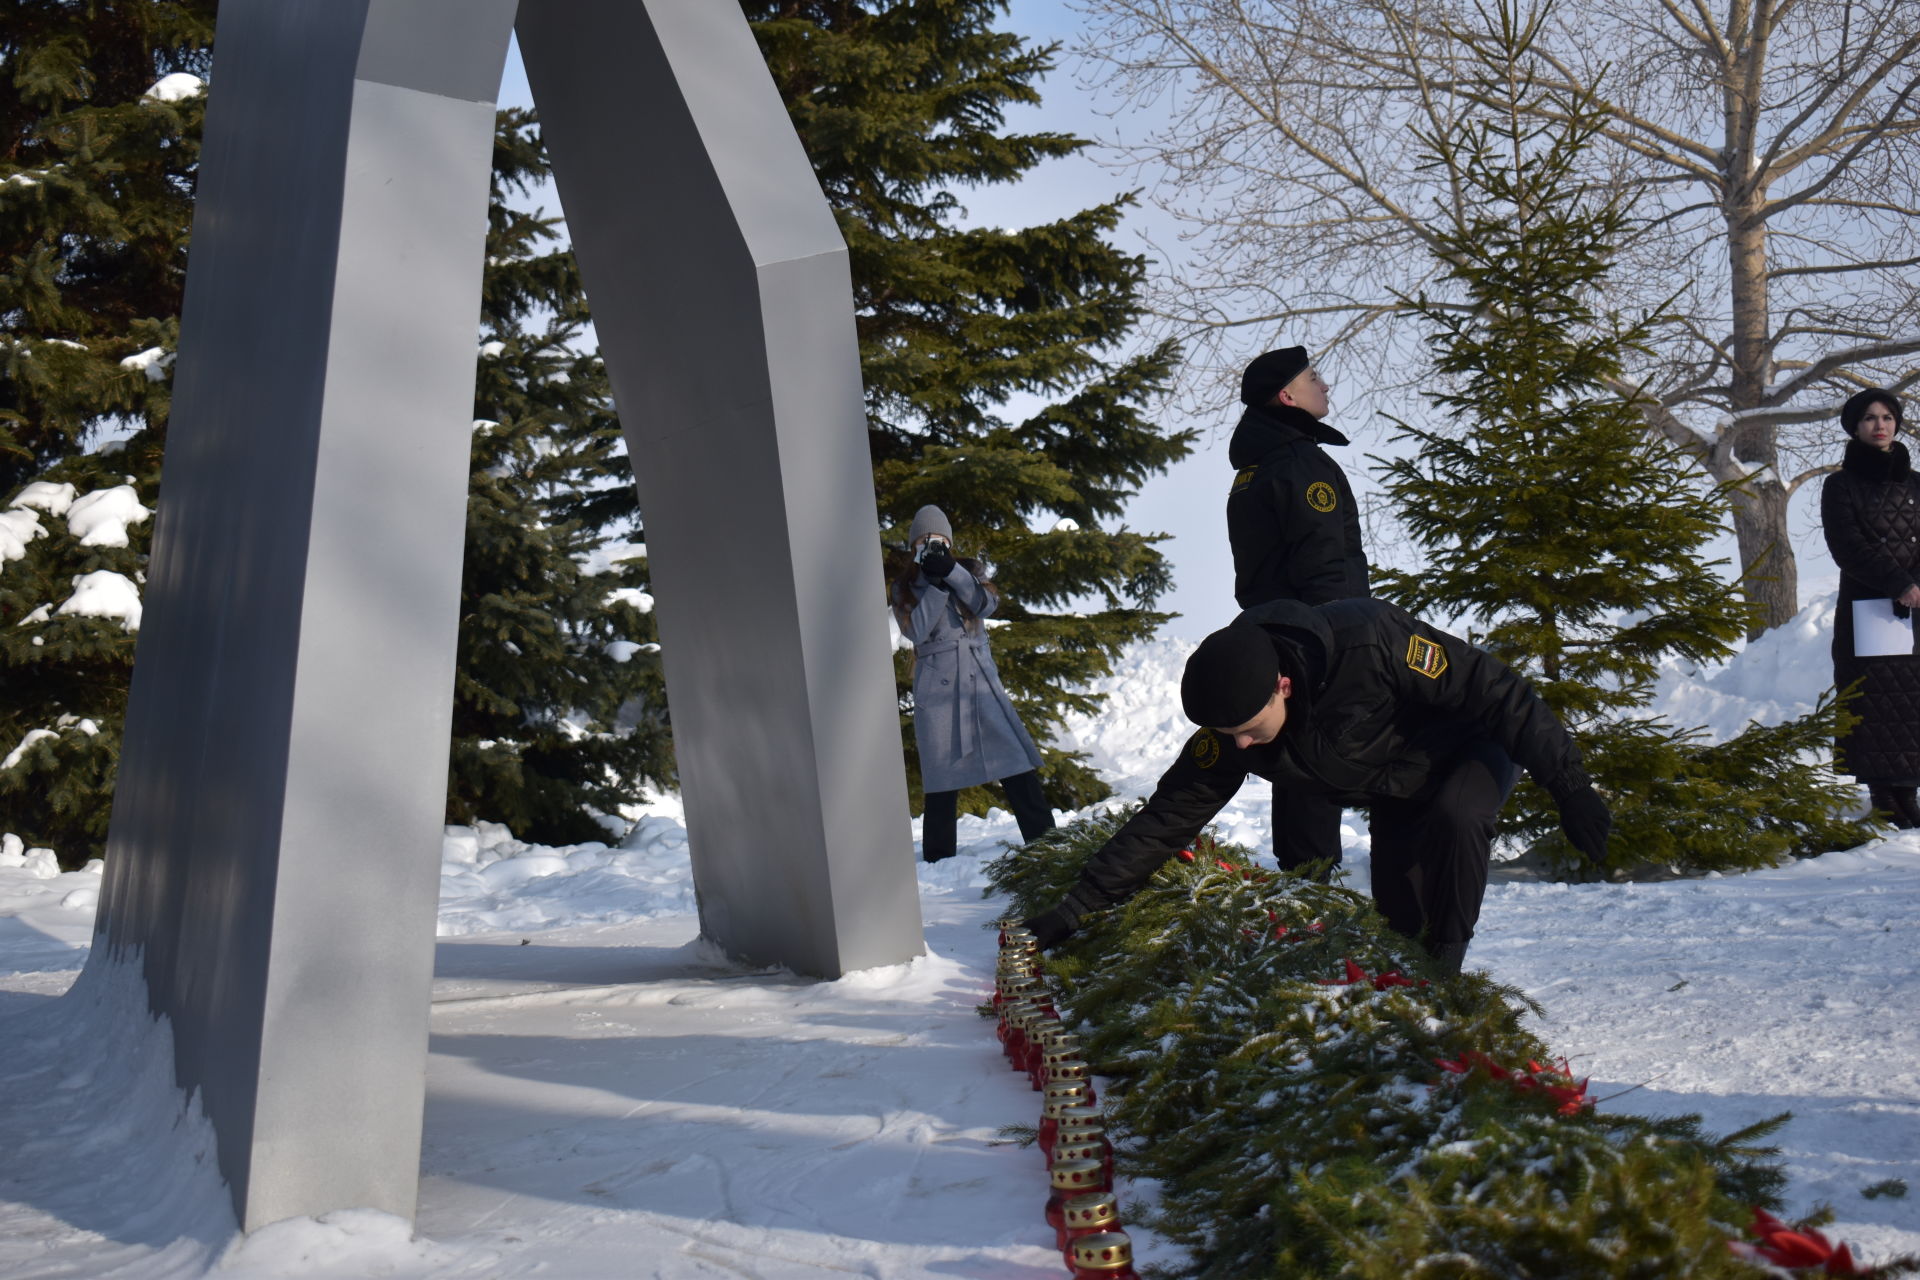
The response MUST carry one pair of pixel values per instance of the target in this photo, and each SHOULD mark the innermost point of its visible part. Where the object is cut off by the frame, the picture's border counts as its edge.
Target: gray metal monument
(274, 852)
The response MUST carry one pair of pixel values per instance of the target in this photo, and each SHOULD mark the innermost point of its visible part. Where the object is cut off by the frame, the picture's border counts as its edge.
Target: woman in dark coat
(1871, 511)
(963, 721)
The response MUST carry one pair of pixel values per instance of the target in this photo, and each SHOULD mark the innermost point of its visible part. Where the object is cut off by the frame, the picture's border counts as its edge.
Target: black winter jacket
(1291, 519)
(1387, 706)
(1870, 510)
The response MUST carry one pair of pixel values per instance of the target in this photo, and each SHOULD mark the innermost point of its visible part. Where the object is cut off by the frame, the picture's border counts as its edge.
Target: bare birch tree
(1772, 148)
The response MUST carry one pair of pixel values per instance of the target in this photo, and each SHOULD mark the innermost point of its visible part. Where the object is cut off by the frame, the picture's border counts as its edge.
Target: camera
(927, 548)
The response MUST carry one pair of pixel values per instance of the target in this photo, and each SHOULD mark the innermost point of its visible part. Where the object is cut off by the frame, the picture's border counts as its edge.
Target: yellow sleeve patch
(1321, 497)
(1426, 657)
(1242, 478)
(1205, 746)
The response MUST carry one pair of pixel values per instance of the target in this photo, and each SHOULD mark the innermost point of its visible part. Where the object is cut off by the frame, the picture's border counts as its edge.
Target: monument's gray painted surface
(722, 299)
(275, 831)
(274, 851)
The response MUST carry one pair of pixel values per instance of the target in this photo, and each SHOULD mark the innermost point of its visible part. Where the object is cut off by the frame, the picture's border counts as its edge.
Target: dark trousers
(1430, 852)
(1306, 828)
(1024, 797)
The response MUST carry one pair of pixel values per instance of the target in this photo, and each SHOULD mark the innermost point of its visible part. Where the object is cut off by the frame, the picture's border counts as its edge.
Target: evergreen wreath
(1314, 1100)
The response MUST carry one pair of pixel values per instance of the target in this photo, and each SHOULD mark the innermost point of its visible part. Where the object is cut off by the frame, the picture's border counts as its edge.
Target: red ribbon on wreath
(1380, 982)
(1782, 1246)
(1556, 1082)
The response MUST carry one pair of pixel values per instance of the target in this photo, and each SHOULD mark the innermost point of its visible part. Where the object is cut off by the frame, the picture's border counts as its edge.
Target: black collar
(1869, 463)
(1265, 428)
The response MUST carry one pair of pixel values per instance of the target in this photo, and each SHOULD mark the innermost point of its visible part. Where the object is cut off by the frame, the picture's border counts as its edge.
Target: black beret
(1860, 401)
(1230, 677)
(1269, 372)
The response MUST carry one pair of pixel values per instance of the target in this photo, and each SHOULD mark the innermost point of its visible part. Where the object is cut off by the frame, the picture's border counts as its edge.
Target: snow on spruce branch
(104, 594)
(153, 362)
(177, 87)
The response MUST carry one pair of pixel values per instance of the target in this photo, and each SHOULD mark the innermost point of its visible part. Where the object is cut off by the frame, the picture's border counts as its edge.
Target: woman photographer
(963, 721)
(1871, 512)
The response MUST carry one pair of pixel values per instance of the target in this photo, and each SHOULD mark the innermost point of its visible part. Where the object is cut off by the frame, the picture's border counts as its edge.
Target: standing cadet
(1362, 703)
(1295, 534)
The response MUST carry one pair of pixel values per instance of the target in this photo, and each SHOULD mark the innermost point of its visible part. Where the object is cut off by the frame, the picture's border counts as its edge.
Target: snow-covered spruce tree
(559, 707)
(900, 106)
(1571, 542)
(100, 110)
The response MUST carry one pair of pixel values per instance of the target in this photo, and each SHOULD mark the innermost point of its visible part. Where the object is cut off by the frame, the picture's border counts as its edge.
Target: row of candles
(1081, 1207)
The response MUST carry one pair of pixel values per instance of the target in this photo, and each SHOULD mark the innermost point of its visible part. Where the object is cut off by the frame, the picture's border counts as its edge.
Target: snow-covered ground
(607, 1097)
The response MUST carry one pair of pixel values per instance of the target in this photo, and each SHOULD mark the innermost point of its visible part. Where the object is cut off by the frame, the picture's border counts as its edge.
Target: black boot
(1448, 956)
(939, 825)
(1897, 803)
(1028, 800)
(1906, 808)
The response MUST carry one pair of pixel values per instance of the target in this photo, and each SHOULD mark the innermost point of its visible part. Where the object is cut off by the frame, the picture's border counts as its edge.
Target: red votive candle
(1070, 1178)
(1084, 1215)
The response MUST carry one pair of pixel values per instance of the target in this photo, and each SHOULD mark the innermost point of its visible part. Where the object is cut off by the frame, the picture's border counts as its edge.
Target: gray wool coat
(963, 720)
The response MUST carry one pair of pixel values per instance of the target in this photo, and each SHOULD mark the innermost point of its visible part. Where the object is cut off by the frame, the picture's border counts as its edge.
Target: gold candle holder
(1082, 1118)
(1080, 1147)
(1069, 1092)
(1093, 1211)
(1077, 1177)
(1103, 1251)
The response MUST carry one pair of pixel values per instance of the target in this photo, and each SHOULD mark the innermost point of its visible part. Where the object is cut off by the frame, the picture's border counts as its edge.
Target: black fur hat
(1860, 401)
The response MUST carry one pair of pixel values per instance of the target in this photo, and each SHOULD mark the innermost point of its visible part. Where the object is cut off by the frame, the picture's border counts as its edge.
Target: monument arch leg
(722, 298)
(273, 859)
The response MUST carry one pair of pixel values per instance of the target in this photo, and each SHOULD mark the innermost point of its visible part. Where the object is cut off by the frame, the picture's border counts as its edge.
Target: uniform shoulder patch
(1205, 747)
(1242, 478)
(1321, 496)
(1426, 657)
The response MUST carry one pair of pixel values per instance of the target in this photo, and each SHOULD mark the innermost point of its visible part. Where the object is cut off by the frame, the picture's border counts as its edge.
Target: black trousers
(942, 816)
(1430, 852)
(1306, 828)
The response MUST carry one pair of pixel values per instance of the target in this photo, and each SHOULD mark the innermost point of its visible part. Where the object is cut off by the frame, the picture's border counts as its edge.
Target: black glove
(1053, 926)
(937, 564)
(1584, 817)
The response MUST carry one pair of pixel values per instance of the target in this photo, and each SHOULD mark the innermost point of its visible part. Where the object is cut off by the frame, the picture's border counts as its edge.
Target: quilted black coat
(1291, 518)
(1871, 512)
(1386, 705)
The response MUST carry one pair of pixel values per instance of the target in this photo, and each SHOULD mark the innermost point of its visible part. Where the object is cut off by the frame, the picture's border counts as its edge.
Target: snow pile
(1776, 678)
(349, 1244)
(100, 519)
(45, 495)
(640, 600)
(18, 753)
(105, 594)
(152, 363)
(1140, 730)
(116, 1157)
(491, 882)
(19, 523)
(18, 527)
(177, 87)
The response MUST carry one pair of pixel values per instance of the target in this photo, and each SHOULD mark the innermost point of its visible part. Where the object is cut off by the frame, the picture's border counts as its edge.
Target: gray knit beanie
(930, 519)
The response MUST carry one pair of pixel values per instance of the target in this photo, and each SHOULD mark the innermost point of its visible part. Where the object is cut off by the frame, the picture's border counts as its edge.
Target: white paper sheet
(1877, 633)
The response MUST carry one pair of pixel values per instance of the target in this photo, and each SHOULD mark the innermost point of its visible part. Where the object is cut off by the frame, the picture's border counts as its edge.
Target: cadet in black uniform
(1295, 533)
(1361, 703)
